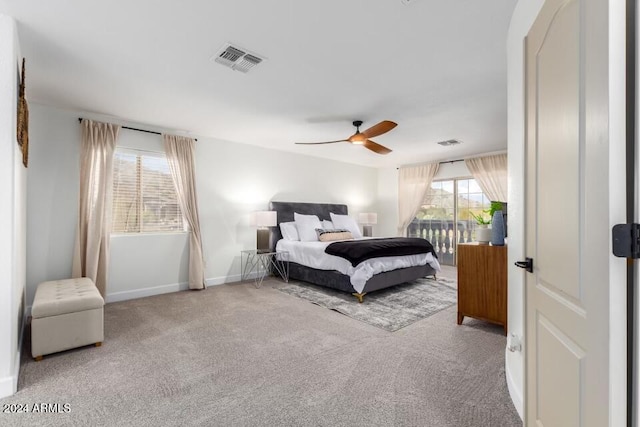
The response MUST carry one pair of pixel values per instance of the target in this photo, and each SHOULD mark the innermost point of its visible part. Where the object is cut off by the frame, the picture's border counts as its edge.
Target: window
(471, 199)
(144, 197)
(444, 218)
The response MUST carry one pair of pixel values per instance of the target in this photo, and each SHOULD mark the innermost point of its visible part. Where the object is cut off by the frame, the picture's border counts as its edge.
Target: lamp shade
(368, 218)
(263, 219)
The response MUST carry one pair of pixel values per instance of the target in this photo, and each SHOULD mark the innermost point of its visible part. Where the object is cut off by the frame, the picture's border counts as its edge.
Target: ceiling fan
(362, 138)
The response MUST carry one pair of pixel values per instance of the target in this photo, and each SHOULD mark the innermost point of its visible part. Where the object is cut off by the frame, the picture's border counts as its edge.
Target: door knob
(527, 264)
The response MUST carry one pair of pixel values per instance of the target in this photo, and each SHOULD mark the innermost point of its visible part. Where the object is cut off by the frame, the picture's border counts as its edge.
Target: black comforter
(357, 251)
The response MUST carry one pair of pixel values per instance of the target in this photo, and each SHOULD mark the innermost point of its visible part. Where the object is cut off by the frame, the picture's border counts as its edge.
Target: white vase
(483, 234)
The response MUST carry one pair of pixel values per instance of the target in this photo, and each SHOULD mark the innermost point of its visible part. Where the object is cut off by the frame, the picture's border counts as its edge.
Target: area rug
(389, 309)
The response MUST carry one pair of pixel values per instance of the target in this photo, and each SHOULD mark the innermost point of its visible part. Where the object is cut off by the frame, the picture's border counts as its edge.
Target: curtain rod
(138, 130)
(448, 161)
(451, 161)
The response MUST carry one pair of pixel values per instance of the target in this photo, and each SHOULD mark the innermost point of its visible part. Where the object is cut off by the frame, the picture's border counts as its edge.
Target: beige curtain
(91, 255)
(179, 150)
(491, 174)
(413, 184)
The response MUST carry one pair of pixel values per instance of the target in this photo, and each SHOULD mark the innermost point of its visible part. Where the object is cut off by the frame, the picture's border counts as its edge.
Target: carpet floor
(234, 355)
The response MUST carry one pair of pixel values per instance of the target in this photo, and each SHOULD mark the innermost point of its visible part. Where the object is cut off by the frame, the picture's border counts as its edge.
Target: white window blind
(144, 197)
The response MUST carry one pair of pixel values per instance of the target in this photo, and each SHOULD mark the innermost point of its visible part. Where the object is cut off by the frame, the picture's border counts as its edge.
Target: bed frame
(334, 279)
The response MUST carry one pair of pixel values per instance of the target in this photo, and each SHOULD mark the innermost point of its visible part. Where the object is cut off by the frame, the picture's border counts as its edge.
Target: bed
(395, 271)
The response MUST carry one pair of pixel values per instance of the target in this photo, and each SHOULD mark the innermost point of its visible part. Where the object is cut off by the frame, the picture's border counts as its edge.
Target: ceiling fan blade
(375, 147)
(382, 127)
(318, 143)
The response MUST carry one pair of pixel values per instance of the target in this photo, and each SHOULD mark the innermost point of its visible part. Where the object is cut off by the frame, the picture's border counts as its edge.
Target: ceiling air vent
(449, 142)
(236, 58)
(247, 62)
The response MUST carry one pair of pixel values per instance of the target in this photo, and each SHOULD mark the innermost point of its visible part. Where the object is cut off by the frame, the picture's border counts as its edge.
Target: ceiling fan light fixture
(362, 138)
(358, 139)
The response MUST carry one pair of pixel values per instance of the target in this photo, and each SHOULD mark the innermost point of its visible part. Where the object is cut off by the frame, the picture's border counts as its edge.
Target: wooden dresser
(482, 283)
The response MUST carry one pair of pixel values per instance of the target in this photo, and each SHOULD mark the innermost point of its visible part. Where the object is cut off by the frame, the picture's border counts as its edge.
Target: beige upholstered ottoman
(66, 314)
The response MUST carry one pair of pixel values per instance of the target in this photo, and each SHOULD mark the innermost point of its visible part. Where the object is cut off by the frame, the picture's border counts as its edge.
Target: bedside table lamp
(263, 220)
(367, 219)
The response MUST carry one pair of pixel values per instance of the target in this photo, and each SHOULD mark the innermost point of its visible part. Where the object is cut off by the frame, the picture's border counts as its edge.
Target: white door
(566, 216)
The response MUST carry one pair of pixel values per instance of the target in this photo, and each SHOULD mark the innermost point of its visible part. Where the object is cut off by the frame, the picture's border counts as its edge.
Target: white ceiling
(436, 67)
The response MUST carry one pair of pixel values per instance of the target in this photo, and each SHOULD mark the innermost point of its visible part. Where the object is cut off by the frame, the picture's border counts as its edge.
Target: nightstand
(259, 263)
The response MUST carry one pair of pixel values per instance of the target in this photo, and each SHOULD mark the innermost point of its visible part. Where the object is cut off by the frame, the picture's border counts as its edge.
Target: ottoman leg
(99, 344)
(38, 358)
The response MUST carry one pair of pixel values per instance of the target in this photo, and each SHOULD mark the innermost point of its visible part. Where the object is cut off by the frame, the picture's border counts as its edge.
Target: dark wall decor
(23, 121)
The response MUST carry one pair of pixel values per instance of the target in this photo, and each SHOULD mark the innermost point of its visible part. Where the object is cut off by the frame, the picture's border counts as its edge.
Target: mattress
(312, 254)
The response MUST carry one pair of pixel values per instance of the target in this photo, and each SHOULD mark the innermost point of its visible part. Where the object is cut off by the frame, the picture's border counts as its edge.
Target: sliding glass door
(444, 217)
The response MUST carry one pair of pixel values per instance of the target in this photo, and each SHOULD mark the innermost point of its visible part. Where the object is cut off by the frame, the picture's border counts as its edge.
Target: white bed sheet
(312, 254)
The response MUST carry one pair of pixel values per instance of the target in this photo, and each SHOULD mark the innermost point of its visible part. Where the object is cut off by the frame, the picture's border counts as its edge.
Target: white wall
(12, 214)
(523, 16)
(232, 180)
(148, 264)
(387, 207)
(52, 196)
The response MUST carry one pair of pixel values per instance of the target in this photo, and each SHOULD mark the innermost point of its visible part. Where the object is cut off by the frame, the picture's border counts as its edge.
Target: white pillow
(346, 222)
(289, 231)
(327, 225)
(306, 225)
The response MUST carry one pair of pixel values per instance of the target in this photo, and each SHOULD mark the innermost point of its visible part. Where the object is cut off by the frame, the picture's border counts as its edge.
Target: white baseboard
(7, 387)
(18, 358)
(163, 289)
(214, 281)
(514, 392)
(16, 369)
(145, 292)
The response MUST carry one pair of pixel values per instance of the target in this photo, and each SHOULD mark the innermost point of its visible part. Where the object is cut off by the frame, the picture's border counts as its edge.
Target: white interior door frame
(621, 115)
(632, 39)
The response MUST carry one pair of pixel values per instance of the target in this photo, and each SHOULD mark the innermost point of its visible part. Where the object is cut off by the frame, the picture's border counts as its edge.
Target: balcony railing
(443, 235)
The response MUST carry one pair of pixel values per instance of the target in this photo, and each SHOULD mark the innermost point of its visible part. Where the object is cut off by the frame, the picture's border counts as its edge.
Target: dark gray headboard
(286, 210)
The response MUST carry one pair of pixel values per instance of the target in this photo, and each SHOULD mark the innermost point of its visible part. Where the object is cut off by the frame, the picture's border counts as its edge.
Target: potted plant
(483, 232)
(495, 206)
